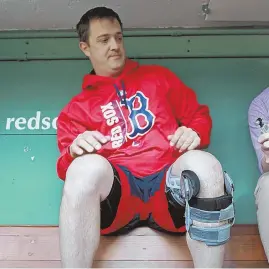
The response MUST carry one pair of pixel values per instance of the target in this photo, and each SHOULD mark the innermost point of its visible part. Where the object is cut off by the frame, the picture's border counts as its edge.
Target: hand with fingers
(264, 142)
(184, 139)
(88, 142)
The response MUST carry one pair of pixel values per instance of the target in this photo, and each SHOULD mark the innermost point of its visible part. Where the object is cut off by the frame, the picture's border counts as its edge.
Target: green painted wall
(41, 71)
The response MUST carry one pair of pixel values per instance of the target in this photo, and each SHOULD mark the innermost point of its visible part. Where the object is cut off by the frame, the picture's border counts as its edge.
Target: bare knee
(207, 168)
(262, 188)
(88, 175)
(263, 182)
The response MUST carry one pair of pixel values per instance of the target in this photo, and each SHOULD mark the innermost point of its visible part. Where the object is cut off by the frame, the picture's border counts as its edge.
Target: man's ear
(84, 47)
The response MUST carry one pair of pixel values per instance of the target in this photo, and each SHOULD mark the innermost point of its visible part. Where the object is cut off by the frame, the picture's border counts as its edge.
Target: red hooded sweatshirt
(138, 110)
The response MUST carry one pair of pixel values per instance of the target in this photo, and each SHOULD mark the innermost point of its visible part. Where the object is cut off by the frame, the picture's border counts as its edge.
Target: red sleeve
(68, 128)
(187, 110)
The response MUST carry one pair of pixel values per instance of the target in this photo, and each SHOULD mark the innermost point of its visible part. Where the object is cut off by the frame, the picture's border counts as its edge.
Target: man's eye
(104, 40)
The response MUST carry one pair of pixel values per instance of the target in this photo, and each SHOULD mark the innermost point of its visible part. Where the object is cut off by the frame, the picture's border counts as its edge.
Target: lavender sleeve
(258, 109)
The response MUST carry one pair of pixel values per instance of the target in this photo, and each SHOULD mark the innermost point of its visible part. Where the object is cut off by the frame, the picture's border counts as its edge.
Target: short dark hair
(92, 14)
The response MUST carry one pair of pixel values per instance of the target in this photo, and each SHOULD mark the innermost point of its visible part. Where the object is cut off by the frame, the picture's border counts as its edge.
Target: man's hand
(264, 141)
(88, 142)
(184, 139)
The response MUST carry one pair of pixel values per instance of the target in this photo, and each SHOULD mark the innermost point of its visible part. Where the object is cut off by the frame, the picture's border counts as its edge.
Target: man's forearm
(265, 164)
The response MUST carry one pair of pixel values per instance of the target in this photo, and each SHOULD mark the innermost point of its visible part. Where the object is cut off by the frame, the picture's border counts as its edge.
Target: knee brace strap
(212, 236)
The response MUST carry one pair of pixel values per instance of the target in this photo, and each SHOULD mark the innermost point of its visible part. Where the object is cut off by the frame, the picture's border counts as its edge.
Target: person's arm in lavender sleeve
(259, 109)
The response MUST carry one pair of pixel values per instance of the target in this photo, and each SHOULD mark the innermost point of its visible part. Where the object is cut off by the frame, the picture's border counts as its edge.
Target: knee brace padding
(211, 210)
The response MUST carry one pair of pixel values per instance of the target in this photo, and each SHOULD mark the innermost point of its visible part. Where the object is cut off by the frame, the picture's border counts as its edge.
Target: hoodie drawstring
(121, 93)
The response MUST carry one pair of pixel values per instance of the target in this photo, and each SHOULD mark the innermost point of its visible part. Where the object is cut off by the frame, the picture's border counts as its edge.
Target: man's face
(105, 46)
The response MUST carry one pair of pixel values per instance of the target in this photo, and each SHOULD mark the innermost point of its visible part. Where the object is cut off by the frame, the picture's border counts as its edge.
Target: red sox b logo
(140, 117)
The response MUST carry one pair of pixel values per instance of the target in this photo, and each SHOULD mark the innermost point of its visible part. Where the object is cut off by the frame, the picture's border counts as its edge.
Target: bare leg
(210, 173)
(261, 195)
(88, 182)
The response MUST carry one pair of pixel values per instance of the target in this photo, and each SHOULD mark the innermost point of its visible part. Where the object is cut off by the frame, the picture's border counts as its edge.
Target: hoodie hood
(91, 81)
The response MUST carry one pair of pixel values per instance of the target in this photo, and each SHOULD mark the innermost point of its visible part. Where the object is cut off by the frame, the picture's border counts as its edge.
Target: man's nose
(114, 44)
